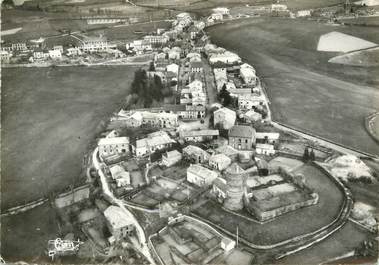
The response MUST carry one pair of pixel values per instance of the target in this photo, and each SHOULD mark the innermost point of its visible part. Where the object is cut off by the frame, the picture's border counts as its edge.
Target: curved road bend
(142, 246)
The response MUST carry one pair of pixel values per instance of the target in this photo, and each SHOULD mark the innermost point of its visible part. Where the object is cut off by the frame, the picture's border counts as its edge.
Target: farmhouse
(249, 101)
(119, 174)
(94, 44)
(265, 149)
(252, 116)
(112, 146)
(200, 176)
(196, 67)
(242, 137)
(219, 161)
(153, 142)
(228, 58)
(247, 73)
(195, 154)
(221, 10)
(199, 135)
(5, 56)
(118, 225)
(171, 158)
(55, 54)
(173, 68)
(224, 118)
(267, 137)
(156, 39)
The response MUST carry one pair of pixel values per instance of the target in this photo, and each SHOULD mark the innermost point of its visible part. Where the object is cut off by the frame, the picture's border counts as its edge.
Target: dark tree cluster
(146, 92)
(309, 155)
(226, 99)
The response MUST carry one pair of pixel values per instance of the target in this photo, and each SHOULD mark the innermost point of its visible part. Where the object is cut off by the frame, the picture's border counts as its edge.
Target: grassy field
(306, 91)
(345, 240)
(23, 240)
(49, 118)
(290, 224)
(204, 6)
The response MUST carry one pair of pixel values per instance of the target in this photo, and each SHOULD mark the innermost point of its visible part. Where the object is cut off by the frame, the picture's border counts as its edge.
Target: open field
(305, 90)
(290, 224)
(49, 118)
(27, 240)
(345, 240)
(37, 24)
(204, 6)
(365, 21)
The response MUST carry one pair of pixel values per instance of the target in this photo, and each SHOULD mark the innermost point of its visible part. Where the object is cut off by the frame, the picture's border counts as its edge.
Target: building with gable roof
(242, 137)
(224, 118)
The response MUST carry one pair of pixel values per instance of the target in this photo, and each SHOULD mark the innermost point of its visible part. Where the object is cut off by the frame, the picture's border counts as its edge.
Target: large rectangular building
(113, 146)
(200, 175)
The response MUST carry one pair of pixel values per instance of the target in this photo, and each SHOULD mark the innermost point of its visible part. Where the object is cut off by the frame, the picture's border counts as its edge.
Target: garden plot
(284, 162)
(162, 190)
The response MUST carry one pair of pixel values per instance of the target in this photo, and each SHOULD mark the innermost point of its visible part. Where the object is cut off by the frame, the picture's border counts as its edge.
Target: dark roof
(262, 164)
(196, 64)
(242, 131)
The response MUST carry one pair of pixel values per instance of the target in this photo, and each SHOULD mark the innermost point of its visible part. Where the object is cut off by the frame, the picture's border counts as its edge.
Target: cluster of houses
(233, 151)
(38, 50)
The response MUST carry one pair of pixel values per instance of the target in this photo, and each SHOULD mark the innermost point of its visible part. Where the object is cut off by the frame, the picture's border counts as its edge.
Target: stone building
(242, 137)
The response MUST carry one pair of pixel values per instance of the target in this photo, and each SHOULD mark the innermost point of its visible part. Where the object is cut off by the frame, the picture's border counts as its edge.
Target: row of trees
(146, 92)
(309, 155)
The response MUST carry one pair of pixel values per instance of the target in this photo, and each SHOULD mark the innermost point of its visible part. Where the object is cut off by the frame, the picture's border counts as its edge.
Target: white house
(221, 10)
(252, 116)
(174, 53)
(73, 51)
(173, 68)
(267, 137)
(303, 13)
(58, 48)
(227, 57)
(112, 146)
(153, 142)
(214, 17)
(121, 176)
(118, 225)
(200, 175)
(5, 56)
(248, 74)
(55, 54)
(195, 154)
(95, 44)
(219, 161)
(227, 244)
(156, 39)
(199, 135)
(249, 101)
(225, 118)
(265, 149)
(171, 158)
(196, 67)
(278, 7)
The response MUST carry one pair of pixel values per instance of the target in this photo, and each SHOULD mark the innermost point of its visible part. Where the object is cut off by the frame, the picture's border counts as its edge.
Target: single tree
(306, 155)
(312, 156)
(151, 67)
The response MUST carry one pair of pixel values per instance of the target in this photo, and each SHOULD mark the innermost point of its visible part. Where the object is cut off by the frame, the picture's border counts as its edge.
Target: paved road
(142, 244)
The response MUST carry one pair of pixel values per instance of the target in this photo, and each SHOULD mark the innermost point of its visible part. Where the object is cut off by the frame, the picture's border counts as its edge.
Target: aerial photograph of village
(168, 132)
